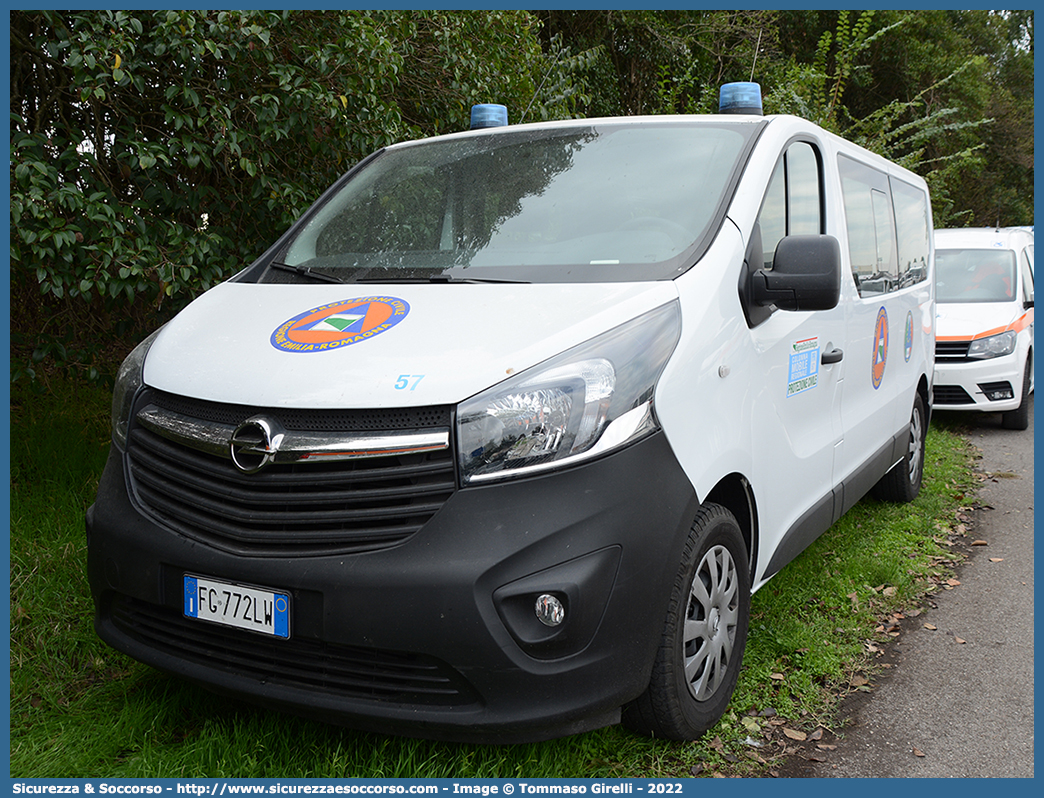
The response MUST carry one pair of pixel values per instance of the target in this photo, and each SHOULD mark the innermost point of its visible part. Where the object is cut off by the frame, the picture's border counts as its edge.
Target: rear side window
(912, 231)
(871, 233)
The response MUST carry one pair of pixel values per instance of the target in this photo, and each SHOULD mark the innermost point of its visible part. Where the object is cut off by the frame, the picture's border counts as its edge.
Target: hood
(968, 320)
(369, 346)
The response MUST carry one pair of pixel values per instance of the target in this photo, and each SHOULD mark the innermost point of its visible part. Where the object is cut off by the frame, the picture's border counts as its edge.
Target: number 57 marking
(404, 381)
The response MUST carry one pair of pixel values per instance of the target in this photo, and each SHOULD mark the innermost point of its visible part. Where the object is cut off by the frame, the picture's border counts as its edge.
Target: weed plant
(80, 709)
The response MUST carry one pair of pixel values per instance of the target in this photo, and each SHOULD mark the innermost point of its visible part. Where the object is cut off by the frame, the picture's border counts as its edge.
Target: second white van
(984, 345)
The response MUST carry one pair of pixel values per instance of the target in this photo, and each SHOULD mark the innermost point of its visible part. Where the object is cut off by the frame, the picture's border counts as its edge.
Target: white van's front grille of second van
(951, 351)
(293, 509)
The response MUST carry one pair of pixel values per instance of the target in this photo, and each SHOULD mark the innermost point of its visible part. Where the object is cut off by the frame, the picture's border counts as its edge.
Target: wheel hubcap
(710, 623)
(916, 434)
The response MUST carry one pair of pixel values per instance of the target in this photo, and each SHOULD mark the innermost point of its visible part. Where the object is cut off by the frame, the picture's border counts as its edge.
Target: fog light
(549, 610)
(995, 391)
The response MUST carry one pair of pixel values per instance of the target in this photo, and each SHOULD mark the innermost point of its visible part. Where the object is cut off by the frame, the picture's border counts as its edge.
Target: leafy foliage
(946, 93)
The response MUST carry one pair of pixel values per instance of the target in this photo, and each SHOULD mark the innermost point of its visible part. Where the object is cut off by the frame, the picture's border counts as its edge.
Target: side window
(792, 203)
(911, 226)
(868, 220)
(803, 190)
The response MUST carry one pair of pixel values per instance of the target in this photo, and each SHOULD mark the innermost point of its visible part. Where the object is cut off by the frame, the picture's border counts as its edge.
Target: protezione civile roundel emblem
(337, 324)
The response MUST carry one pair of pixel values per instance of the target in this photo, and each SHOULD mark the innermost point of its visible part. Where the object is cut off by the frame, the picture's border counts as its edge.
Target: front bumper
(436, 637)
(969, 385)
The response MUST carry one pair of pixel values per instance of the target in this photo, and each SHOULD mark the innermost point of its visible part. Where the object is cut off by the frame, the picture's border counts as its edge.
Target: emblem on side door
(880, 348)
(254, 443)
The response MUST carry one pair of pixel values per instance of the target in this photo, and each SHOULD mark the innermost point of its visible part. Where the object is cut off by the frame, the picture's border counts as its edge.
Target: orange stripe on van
(1020, 324)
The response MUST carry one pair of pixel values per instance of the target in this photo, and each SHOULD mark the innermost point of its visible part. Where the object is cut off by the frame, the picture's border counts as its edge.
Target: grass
(80, 709)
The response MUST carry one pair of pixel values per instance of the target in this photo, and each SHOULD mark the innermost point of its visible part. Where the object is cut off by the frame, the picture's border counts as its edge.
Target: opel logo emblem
(254, 444)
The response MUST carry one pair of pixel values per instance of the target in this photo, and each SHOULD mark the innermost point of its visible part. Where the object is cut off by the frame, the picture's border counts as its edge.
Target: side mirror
(805, 275)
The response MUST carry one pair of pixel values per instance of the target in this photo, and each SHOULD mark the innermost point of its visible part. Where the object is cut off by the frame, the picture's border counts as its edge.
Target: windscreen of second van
(601, 202)
(974, 275)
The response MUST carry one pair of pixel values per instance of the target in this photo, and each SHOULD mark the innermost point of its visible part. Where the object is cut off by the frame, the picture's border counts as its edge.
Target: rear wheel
(705, 632)
(1019, 417)
(903, 482)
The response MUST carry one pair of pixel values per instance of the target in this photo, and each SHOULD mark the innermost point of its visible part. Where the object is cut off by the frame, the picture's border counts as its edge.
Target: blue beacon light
(488, 115)
(740, 98)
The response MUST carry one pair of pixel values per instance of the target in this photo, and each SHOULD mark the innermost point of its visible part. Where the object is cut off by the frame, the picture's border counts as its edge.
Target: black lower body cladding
(436, 637)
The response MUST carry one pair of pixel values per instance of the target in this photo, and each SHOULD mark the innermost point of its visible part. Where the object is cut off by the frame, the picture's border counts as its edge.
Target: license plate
(256, 609)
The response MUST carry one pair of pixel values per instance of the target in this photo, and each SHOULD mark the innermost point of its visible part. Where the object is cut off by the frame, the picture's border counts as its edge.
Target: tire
(704, 635)
(903, 482)
(1018, 418)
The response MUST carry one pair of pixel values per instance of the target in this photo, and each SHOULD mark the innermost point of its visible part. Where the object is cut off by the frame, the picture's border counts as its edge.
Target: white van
(497, 440)
(984, 342)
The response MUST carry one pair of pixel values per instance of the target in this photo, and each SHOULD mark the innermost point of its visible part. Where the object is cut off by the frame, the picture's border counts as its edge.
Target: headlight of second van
(993, 346)
(580, 404)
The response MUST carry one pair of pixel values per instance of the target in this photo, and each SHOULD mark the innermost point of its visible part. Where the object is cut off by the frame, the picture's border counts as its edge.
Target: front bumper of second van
(989, 386)
(437, 637)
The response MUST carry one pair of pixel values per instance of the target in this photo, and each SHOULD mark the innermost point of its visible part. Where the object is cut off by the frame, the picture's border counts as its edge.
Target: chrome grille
(288, 509)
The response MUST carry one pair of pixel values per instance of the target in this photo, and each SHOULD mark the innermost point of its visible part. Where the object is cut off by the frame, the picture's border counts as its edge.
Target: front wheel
(705, 633)
(903, 482)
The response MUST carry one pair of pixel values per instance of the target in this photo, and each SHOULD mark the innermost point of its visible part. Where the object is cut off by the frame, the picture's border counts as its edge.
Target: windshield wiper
(436, 278)
(449, 278)
(304, 271)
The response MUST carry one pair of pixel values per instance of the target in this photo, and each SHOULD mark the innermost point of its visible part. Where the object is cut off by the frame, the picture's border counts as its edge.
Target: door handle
(833, 356)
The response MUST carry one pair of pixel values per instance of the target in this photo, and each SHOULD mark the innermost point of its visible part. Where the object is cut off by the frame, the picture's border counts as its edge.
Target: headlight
(128, 381)
(586, 401)
(994, 346)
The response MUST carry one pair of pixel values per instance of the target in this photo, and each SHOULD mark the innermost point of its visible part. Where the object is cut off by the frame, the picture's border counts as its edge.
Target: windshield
(598, 202)
(974, 275)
